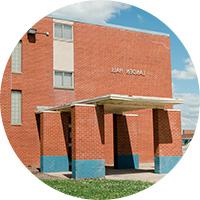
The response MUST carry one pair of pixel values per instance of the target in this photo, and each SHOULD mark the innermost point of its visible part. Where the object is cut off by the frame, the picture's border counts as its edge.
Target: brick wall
(167, 133)
(36, 84)
(94, 59)
(54, 145)
(125, 141)
(53, 142)
(126, 135)
(88, 141)
(87, 138)
(145, 135)
(188, 134)
(109, 148)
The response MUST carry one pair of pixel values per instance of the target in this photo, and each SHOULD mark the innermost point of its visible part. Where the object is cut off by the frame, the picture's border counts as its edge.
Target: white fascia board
(134, 99)
(63, 22)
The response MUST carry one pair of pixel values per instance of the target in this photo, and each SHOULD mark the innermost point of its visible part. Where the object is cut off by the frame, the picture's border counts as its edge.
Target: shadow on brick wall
(122, 143)
(161, 127)
(101, 123)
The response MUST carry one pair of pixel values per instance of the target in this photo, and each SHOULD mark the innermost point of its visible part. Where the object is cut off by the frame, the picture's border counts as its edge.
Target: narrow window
(57, 79)
(16, 58)
(63, 31)
(16, 107)
(63, 79)
(58, 30)
(67, 32)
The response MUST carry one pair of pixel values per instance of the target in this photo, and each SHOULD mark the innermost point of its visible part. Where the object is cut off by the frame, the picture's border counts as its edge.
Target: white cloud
(187, 73)
(189, 110)
(91, 11)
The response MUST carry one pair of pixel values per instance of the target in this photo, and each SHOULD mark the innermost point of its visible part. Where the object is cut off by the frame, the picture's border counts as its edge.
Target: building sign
(120, 70)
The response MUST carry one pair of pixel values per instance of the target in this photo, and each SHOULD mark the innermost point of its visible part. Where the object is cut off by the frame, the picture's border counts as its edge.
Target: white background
(16, 17)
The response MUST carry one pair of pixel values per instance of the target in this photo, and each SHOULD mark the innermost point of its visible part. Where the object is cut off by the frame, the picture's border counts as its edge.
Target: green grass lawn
(98, 189)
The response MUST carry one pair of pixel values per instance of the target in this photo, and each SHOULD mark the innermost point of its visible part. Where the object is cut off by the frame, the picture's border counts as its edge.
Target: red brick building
(187, 136)
(88, 96)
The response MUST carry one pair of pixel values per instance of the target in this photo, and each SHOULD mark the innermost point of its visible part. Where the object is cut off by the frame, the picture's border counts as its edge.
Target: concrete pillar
(54, 156)
(87, 141)
(125, 141)
(167, 139)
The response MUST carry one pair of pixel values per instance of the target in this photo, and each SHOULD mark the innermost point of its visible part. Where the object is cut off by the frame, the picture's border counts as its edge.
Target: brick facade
(167, 133)
(167, 139)
(54, 154)
(51, 134)
(126, 141)
(87, 141)
(109, 140)
(96, 50)
(36, 84)
(188, 134)
(145, 138)
(94, 59)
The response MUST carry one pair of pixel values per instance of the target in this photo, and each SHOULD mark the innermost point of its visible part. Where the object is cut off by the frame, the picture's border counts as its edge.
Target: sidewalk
(144, 173)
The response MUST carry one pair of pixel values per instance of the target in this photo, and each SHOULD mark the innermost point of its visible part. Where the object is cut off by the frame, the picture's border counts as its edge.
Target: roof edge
(98, 99)
(112, 26)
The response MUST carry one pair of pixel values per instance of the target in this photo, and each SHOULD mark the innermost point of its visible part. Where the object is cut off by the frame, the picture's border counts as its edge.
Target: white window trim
(62, 87)
(62, 39)
(63, 21)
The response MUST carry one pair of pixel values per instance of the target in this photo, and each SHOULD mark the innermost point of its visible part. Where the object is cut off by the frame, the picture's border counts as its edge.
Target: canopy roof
(115, 103)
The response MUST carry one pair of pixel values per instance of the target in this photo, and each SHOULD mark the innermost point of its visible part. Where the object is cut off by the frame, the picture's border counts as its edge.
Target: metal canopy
(115, 103)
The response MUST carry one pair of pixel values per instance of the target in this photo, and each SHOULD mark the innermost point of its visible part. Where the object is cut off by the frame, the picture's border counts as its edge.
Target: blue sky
(185, 83)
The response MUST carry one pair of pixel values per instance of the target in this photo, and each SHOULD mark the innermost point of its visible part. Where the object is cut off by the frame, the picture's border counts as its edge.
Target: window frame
(63, 87)
(11, 116)
(21, 50)
(62, 38)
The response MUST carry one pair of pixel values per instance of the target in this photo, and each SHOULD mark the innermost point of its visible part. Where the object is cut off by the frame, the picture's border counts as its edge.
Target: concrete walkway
(144, 173)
